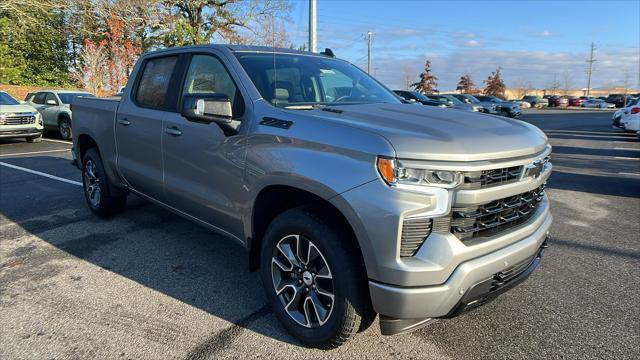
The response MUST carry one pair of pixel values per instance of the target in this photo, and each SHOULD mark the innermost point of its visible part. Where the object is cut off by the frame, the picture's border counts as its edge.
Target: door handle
(124, 122)
(173, 131)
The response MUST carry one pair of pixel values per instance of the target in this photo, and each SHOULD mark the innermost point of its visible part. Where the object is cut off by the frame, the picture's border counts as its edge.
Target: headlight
(398, 175)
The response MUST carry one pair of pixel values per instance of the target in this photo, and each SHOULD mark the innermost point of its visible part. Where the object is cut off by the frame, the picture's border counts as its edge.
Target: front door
(203, 166)
(139, 126)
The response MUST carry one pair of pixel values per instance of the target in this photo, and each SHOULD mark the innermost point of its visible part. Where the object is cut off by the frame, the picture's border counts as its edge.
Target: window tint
(39, 98)
(50, 96)
(154, 82)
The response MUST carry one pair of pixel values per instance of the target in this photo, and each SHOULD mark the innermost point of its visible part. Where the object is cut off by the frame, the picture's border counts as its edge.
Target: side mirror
(51, 102)
(207, 107)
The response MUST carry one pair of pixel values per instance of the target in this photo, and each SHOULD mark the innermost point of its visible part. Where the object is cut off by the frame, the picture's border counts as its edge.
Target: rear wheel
(313, 280)
(64, 128)
(96, 187)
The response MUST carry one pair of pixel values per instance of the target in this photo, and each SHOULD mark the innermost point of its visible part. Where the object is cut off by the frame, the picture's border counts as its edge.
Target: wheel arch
(273, 200)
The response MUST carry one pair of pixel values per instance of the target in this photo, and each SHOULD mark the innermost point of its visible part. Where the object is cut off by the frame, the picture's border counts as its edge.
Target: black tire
(351, 308)
(96, 187)
(34, 139)
(64, 128)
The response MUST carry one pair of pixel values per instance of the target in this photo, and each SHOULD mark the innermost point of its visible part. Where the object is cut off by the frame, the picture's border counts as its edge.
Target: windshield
(6, 99)
(472, 99)
(311, 80)
(67, 98)
(420, 96)
(453, 98)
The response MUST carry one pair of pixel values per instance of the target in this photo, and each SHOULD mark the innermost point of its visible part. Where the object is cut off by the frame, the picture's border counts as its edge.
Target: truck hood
(432, 133)
(4, 109)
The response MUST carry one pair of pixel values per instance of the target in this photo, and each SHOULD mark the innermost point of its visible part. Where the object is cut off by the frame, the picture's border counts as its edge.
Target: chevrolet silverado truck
(348, 202)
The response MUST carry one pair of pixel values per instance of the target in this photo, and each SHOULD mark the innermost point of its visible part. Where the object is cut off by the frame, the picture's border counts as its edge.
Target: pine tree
(494, 85)
(427, 83)
(466, 85)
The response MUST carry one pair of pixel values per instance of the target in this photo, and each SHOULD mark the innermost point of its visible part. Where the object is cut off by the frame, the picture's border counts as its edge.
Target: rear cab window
(153, 84)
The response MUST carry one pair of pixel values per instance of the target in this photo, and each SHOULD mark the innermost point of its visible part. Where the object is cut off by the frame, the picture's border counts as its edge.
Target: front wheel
(96, 187)
(313, 279)
(64, 128)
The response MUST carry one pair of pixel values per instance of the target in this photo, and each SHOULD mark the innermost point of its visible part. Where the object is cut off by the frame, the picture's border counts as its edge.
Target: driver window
(207, 74)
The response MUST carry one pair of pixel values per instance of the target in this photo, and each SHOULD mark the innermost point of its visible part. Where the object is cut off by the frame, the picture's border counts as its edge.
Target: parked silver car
(455, 103)
(54, 105)
(470, 99)
(598, 104)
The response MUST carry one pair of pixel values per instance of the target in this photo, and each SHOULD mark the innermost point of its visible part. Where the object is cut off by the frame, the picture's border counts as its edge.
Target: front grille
(18, 120)
(414, 233)
(493, 177)
(496, 216)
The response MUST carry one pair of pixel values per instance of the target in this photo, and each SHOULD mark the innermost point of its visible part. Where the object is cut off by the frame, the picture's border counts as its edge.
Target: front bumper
(19, 133)
(444, 299)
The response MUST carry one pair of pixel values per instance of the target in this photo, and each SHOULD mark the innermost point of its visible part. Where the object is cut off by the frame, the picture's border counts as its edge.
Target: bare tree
(270, 31)
(554, 85)
(91, 74)
(197, 21)
(522, 87)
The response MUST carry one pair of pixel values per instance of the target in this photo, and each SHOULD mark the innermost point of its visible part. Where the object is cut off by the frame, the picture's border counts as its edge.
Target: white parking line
(626, 158)
(36, 152)
(626, 173)
(41, 174)
(58, 141)
(628, 149)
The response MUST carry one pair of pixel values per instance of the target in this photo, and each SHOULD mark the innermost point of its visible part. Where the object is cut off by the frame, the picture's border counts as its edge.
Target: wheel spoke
(294, 305)
(319, 308)
(286, 250)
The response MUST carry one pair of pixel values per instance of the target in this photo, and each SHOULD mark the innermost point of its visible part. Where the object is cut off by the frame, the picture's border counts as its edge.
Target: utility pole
(369, 39)
(313, 38)
(590, 71)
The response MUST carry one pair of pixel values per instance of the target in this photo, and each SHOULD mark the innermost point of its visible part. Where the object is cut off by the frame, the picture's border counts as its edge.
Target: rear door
(50, 111)
(204, 164)
(139, 124)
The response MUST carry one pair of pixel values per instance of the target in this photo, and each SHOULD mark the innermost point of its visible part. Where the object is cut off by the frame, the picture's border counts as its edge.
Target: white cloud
(472, 43)
(537, 67)
(544, 34)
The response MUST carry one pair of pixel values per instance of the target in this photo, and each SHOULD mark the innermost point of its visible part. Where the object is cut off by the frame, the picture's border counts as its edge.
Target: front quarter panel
(323, 158)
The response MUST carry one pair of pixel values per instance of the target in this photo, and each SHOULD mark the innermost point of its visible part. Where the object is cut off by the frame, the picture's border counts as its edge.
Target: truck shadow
(157, 249)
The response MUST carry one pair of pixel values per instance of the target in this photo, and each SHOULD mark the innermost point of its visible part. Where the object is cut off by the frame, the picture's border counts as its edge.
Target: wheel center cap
(307, 278)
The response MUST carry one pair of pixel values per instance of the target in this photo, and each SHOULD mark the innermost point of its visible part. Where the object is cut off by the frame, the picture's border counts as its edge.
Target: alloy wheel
(92, 183)
(65, 129)
(303, 281)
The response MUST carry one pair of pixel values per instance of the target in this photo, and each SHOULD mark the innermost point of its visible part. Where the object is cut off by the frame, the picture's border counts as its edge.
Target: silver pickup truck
(349, 202)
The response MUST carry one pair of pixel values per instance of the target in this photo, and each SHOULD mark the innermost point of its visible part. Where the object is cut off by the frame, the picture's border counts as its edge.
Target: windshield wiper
(304, 107)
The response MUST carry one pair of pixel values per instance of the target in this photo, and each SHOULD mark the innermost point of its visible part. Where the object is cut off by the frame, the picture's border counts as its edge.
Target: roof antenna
(328, 52)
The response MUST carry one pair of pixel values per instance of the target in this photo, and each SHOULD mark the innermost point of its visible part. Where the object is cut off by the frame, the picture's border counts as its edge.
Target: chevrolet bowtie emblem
(534, 169)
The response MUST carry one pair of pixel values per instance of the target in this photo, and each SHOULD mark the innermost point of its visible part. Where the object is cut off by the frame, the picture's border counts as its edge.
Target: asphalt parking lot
(148, 284)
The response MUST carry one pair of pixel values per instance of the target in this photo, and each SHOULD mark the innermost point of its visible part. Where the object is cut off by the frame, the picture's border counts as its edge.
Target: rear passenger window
(154, 82)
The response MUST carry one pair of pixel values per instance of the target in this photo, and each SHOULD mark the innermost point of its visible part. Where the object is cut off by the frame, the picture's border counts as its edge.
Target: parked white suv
(19, 120)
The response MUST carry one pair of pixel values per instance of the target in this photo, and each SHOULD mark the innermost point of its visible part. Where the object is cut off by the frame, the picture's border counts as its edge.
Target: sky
(536, 43)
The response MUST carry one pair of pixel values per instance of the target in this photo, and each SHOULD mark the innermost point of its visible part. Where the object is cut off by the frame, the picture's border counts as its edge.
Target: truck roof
(242, 48)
